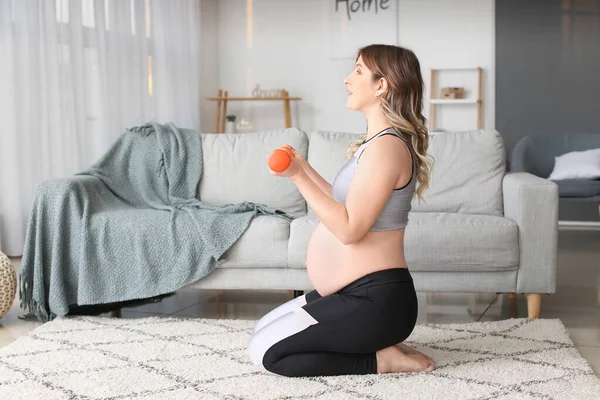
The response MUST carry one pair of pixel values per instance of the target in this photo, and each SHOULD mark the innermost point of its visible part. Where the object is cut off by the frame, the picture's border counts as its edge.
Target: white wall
(285, 44)
(450, 34)
(209, 64)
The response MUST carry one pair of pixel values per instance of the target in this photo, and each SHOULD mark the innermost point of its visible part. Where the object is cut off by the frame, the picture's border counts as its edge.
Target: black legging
(348, 327)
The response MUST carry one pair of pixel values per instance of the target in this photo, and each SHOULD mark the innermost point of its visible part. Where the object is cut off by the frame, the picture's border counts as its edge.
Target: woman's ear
(382, 87)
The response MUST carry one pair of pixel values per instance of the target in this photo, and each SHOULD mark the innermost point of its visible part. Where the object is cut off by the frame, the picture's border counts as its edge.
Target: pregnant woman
(364, 303)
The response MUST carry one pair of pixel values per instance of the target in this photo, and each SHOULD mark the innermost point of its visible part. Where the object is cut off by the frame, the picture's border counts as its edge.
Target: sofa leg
(534, 303)
(513, 307)
(298, 293)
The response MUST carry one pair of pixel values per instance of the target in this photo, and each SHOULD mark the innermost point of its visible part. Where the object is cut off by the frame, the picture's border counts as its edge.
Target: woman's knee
(275, 364)
(282, 309)
(277, 330)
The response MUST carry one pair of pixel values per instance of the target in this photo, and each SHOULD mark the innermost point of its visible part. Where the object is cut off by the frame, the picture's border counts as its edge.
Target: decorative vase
(8, 284)
(230, 127)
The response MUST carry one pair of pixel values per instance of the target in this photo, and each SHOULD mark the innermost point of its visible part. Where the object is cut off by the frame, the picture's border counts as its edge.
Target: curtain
(74, 74)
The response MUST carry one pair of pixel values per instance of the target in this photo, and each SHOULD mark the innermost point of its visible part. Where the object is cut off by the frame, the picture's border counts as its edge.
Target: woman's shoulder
(390, 140)
(390, 149)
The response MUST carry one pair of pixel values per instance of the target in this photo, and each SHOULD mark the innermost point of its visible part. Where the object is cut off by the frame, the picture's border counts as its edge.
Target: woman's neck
(376, 122)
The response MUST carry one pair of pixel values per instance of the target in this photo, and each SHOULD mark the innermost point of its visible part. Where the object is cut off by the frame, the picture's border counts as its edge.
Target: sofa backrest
(327, 152)
(235, 169)
(467, 174)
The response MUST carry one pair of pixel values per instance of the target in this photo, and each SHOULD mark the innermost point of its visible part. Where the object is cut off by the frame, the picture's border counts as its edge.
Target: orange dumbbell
(280, 158)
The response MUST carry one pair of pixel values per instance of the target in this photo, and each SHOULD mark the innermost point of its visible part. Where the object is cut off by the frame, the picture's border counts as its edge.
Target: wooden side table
(223, 98)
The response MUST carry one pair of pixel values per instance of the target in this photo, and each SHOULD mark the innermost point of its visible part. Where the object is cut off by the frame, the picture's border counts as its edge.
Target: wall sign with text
(357, 23)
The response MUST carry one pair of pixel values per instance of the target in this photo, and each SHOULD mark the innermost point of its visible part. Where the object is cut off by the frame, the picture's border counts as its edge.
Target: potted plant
(230, 125)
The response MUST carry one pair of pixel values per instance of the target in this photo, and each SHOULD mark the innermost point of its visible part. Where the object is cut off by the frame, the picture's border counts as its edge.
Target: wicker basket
(8, 284)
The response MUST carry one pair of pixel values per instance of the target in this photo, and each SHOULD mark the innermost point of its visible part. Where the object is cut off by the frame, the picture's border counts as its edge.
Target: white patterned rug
(172, 358)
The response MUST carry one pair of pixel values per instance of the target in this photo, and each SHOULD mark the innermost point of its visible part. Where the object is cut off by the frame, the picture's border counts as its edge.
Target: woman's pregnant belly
(331, 265)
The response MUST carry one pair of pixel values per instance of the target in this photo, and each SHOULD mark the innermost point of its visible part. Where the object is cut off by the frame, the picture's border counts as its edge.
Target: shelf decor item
(257, 92)
(223, 98)
(452, 93)
(455, 95)
(244, 126)
(230, 126)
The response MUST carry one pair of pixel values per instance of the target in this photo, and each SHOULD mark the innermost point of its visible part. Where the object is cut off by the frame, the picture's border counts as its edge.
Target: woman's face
(361, 88)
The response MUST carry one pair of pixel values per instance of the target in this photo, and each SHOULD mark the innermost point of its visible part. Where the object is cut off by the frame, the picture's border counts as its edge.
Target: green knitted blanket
(128, 228)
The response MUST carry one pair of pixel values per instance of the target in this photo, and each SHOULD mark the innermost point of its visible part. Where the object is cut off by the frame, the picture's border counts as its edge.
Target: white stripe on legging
(283, 326)
(279, 311)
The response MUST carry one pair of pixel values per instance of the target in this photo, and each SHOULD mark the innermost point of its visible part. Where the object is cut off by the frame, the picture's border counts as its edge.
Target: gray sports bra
(395, 213)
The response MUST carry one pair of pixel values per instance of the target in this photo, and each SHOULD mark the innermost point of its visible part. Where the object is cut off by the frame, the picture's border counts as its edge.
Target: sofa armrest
(78, 185)
(88, 182)
(532, 202)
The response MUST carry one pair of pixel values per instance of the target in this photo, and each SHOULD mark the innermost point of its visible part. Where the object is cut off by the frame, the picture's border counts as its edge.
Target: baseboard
(579, 225)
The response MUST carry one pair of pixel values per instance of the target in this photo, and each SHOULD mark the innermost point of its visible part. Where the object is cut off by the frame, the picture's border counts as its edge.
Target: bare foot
(392, 359)
(409, 350)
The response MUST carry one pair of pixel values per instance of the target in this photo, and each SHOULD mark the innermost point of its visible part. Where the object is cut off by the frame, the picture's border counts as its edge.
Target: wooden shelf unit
(433, 101)
(223, 98)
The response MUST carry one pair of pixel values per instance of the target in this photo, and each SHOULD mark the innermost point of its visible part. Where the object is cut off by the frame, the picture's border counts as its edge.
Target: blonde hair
(402, 104)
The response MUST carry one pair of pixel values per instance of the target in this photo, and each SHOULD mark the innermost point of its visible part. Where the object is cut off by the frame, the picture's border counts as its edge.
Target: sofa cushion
(577, 165)
(263, 245)
(461, 242)
(467, 173)
(327, 152)
(536, 153)
(578, 188)
(444, 242)
(235, 170)
(300, 231)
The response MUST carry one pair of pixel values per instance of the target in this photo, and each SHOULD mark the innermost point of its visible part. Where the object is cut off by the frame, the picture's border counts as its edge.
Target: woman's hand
(299, 157)
(296, 167)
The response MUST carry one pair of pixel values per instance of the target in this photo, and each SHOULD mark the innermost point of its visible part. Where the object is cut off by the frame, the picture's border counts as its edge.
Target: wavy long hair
(402, 103)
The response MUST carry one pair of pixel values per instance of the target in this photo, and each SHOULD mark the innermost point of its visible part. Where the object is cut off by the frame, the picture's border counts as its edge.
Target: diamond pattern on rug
(339, 396)
(176, 358)
(488, 345)
(106, 383)
(577, 387)
(8, 375)
(31, 390)
(266, 386)
(421, 386)
(94, 335)
(442, 335)
(520, 396)
(541, 333)
(204, 367)
(32, 344)
(178, 393)
(154, 349)
(505, 371)
(565, 358)
(65, 360)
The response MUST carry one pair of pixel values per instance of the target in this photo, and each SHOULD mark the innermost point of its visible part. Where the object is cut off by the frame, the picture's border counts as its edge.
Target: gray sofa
(479, 229)
(579, 199)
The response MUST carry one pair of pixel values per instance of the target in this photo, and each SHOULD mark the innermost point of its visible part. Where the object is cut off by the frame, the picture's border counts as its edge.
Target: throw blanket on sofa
(128, 228)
